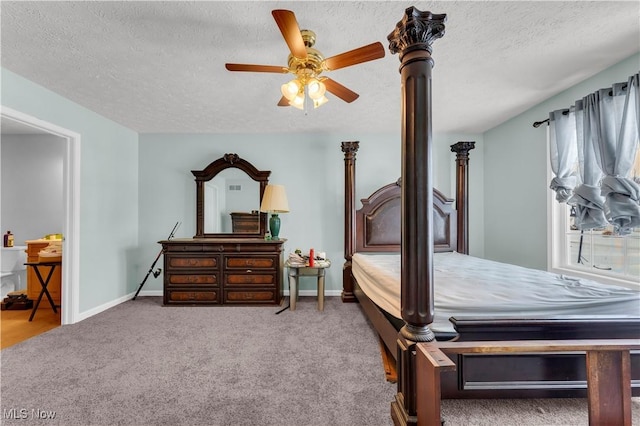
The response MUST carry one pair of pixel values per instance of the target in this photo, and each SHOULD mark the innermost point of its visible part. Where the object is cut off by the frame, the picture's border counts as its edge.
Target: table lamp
(274, 201)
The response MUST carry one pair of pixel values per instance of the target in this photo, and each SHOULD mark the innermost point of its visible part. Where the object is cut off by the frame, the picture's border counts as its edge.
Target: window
(596, 254)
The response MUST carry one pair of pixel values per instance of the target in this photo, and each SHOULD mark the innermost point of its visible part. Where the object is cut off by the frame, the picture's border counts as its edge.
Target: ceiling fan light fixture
(316, 89)
(320, 101)
(291, 89)
(298, 101)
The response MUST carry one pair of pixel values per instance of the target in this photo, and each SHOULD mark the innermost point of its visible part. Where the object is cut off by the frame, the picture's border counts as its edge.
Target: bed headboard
(378, 222)
(377, 227)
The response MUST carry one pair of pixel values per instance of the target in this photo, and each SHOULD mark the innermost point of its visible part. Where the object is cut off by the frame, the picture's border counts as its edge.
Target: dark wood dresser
(222, 271)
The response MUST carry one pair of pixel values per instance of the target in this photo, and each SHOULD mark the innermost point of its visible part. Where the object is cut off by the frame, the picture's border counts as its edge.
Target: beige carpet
(522, 412)
(140, 363)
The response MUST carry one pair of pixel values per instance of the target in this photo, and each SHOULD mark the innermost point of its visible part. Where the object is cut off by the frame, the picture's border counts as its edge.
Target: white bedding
(470, 286)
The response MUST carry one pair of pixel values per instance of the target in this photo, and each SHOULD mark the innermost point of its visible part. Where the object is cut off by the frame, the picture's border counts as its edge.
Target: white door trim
(71, 198)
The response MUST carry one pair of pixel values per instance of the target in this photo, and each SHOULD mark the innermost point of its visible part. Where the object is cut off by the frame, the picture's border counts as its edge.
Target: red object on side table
(311, 257)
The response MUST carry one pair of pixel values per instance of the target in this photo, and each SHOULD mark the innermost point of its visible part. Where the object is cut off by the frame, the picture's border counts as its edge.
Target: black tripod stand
(153, 265)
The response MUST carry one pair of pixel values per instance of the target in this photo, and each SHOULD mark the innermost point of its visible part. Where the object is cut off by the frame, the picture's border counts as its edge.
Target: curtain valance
(599, 134)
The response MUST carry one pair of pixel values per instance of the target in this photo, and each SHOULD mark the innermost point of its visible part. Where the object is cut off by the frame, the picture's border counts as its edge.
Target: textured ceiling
(158, 67)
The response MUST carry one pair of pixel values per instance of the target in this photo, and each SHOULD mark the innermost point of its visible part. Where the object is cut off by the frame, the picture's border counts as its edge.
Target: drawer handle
(249, 271)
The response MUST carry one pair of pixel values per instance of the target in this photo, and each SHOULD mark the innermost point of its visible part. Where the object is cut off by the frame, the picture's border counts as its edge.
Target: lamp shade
(291, 89)
(274, 200)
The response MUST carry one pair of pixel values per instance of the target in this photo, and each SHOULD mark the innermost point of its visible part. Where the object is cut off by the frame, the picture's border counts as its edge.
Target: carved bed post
(412, 39)
(349, 149)
(462, 192)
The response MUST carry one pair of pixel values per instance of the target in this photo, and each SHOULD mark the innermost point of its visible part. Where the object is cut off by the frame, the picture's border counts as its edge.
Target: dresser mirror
(228, 196)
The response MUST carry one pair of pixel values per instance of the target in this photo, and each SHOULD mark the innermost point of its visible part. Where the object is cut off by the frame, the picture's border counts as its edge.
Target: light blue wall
(135, 187)
(108, 193)
(42, 156)
(515, 179)
(311, 166)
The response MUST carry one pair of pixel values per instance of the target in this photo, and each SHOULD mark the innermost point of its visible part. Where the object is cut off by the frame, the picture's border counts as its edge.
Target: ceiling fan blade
(356, 56)
(283, 102)
(256, 68)
(290, 30)
(339, 90)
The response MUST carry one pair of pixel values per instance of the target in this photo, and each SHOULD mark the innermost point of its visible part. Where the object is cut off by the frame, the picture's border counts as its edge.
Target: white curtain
(612, 116)
(589, 204)
(562, 140)
(604, 129)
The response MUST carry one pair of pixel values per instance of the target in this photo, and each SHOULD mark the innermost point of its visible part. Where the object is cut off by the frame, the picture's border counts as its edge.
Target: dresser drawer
(254, 296)
(257, 278)
(250, 263)
(193, 279)
(192, 262)
(187, 296)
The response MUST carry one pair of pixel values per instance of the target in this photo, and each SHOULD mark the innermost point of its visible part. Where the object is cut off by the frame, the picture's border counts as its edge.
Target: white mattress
(469, 286)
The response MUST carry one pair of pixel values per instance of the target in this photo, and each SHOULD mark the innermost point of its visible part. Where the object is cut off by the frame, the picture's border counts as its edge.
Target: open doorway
(15, 122)
(31, 213)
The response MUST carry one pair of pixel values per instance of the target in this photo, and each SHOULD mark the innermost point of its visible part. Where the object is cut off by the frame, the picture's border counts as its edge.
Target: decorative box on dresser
(245, 222)
(223, 271)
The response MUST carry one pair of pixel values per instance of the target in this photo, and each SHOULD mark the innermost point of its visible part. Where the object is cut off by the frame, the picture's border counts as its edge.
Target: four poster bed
(477, 299)
(430, 239)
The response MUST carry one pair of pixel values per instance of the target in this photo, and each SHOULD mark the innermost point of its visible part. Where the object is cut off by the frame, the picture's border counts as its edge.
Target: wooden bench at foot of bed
(608, 373)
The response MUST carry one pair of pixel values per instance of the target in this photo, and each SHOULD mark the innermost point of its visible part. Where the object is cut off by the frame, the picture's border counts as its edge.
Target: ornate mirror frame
(228, 161)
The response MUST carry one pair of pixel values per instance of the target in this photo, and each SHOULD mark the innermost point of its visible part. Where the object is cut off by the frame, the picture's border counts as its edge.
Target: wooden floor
(15, 326)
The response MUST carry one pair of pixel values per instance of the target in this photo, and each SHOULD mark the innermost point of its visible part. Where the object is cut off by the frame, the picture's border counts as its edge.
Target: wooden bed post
(462, 193)
(349, 149)
(412, 39)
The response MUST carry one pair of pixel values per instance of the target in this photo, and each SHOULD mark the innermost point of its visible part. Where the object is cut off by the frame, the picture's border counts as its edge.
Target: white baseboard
(91, 312)
(314, 293)
(149, 293)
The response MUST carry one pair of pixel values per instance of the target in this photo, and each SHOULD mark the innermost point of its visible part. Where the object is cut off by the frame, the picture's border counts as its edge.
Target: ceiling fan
(307, 63)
